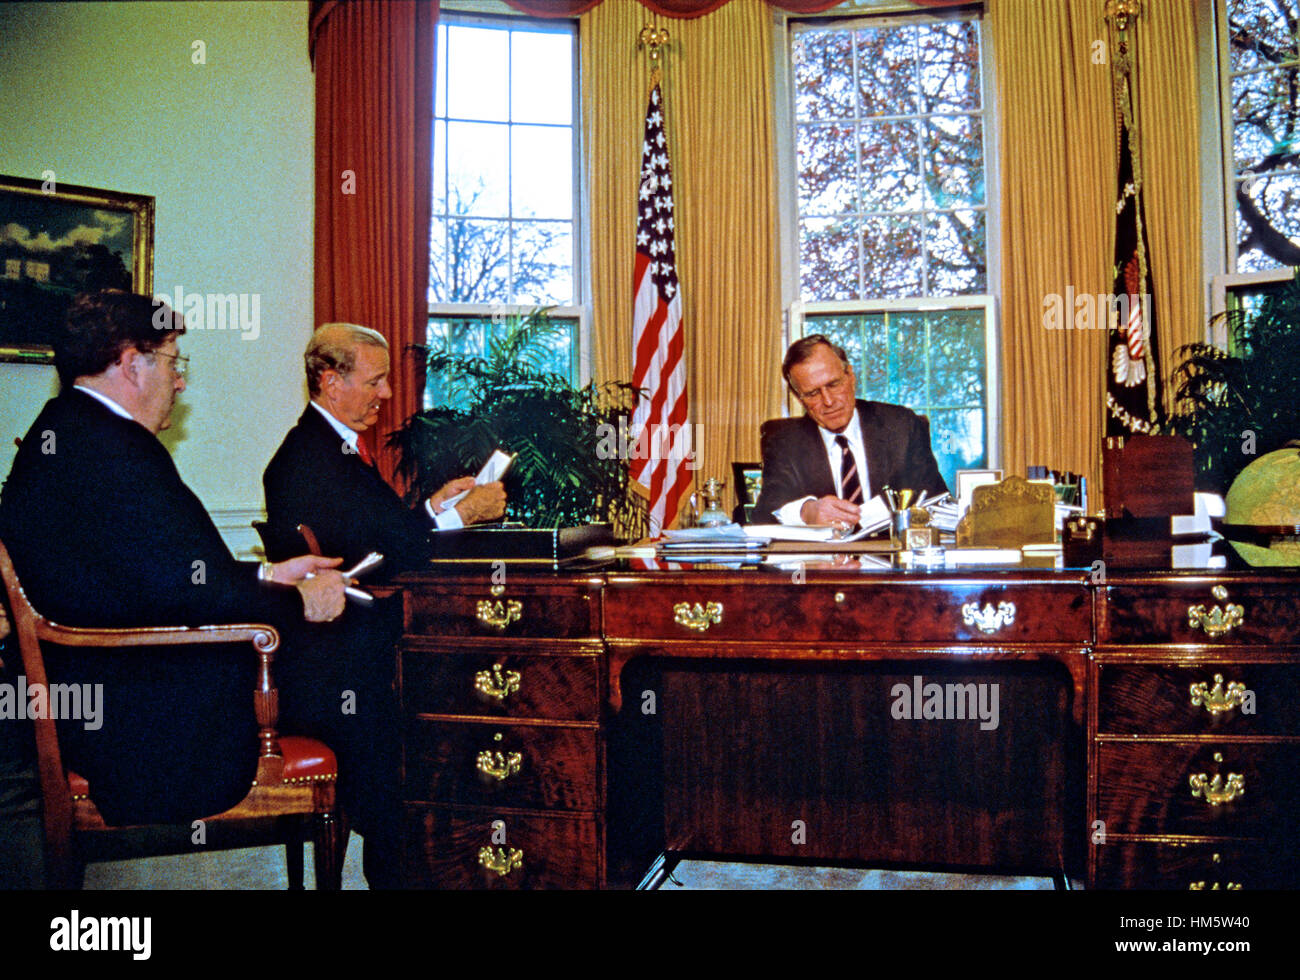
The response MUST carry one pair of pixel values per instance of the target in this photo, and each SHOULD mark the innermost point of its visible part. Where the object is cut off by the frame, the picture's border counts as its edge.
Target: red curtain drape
(693, 8)
(374, 109)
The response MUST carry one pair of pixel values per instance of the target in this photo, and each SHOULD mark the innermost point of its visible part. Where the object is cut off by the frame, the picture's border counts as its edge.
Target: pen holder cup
(899, 522)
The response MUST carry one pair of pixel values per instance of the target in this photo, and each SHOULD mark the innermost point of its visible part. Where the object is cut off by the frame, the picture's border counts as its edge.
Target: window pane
(1274, 207)
(1261, 28)
(890, 166)
(543, 263)
(891, 256)
(886, 71)
(478, 164)
(955, 248)
(828, 258)
(954, 162)
(479, 53)
(477, 260)
(948, 58)
(823, 86)
(826, 178)
(1264, 110)
(541, 82)
(538, 154)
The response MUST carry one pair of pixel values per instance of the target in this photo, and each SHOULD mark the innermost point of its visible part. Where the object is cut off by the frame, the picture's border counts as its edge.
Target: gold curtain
(1058, 157)
(717, 88)
(1169, 121)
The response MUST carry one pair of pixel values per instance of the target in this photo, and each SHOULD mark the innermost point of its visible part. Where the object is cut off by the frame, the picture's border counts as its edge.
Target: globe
(1267, 492)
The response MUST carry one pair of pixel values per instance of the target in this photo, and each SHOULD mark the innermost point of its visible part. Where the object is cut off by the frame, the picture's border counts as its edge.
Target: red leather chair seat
(305, 759)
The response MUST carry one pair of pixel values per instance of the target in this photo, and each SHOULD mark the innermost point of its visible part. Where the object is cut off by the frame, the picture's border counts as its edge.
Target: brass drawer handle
(498, 615)
(1215, 699)
(1214, 790)
(500, 860)
(697, 617)
(988, 619)
(1217, 621)
(497, 764)
(497, 683)
(1202, 886)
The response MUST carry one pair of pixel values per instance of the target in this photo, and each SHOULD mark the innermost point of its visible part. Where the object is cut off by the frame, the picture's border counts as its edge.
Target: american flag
(659, 462)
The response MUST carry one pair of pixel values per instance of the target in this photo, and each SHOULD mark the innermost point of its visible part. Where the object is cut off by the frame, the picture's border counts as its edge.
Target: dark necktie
(364, 453)
(850, 484)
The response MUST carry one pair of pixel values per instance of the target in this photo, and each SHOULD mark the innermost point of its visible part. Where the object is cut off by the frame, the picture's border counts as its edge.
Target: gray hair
(333, 347)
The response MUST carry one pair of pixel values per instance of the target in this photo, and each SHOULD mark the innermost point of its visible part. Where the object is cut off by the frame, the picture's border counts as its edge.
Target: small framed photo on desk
(968, 480)
(748, 480)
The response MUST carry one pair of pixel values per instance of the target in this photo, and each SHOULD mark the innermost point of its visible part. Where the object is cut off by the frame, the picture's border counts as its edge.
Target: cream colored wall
(107, 95)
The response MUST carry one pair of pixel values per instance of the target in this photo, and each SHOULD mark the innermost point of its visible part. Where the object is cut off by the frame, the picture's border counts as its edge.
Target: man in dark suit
(821, 468)
(322, 474)
(103, 532)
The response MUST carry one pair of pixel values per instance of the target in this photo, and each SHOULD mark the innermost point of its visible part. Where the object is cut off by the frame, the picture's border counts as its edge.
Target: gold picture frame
(57, 240)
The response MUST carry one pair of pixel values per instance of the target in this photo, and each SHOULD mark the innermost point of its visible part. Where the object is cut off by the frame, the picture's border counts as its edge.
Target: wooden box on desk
(1147, 476)
(541, 546)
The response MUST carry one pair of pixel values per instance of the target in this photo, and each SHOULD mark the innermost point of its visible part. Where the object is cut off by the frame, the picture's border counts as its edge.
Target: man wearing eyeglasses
(104, 532)
(822, 468)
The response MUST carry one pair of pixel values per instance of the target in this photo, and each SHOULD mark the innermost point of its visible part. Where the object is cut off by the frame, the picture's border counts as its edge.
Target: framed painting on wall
(57, 240)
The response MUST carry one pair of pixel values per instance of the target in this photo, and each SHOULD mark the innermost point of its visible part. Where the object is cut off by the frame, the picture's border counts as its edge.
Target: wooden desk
(563, 728)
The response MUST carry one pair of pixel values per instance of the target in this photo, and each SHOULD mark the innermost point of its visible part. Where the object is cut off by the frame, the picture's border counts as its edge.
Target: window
(889, 159)
(1262, 120)
(503, 238)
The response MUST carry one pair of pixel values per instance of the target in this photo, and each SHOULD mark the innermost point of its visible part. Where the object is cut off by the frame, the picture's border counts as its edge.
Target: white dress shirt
(790, 513)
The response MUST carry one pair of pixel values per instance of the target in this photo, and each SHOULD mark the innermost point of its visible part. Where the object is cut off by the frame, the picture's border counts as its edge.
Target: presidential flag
(662, 448)
(1134, 393)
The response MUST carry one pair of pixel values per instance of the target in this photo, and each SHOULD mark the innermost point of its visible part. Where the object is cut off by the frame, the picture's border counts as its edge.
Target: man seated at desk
(819, 469)
(322, 474)
(103, 532)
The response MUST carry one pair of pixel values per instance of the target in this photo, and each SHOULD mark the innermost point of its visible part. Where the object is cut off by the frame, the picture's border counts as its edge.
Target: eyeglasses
(180, 363)
(832, 388)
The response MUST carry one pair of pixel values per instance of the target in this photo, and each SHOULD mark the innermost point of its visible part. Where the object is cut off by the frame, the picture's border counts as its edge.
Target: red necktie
(364, 453)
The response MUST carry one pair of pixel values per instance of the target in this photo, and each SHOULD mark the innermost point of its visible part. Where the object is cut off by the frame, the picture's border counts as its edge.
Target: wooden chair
(294, 785)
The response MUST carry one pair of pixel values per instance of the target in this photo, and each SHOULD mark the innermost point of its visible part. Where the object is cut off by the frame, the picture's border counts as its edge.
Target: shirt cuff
(790, 513)
(448, 520)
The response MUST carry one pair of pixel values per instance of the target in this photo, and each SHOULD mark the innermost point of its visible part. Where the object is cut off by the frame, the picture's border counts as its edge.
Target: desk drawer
(555, 610)
(528, 766)
(460, 848)
(563, 687)
(1250, 698)
(1217, 866)
(961, 612)
(1198, 612)
(1144, 788)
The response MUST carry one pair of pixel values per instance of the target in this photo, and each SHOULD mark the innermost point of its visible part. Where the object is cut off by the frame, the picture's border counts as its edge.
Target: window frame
(578, 311)
(795, 310)
(1219, 64)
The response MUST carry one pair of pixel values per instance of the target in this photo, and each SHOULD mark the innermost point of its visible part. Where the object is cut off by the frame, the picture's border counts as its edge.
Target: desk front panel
(866, 609)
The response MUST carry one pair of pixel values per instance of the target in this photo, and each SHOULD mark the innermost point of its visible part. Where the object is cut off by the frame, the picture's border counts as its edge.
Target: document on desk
(493, 470)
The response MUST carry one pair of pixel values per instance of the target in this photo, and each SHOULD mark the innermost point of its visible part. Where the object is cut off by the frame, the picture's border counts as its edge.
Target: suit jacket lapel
(872, 444)
(818, 475)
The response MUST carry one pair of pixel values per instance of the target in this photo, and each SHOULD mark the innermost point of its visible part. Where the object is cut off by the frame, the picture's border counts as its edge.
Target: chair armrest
(264, 638)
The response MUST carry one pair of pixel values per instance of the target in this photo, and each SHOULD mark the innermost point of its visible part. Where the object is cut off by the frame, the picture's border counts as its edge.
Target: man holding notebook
(322, 474)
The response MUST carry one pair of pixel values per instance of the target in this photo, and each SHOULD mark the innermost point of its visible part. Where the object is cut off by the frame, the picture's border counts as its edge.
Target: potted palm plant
(1238, 404)
(506, 398)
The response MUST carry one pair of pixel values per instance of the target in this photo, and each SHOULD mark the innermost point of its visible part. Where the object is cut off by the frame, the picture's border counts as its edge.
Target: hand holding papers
(492, 472)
